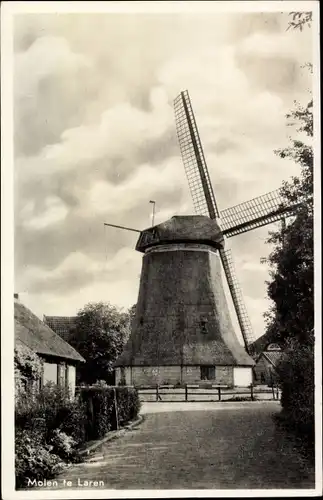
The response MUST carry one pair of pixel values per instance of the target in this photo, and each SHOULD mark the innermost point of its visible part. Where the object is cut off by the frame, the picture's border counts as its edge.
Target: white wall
(242, 376)
(71, 378)
(50, 373)
(61, 374)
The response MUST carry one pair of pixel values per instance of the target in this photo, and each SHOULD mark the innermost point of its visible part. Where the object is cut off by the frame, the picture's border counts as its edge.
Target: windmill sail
(193, 158)
(203, 196)
(255, 213)
(237, 297)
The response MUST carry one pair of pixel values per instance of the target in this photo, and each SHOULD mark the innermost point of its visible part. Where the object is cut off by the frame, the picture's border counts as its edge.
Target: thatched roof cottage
(59, 359)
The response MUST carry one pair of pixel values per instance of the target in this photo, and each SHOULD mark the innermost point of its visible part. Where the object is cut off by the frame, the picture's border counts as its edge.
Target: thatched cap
(182, 229)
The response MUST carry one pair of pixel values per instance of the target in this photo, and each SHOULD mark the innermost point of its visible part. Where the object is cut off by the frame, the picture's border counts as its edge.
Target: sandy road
(198, 446)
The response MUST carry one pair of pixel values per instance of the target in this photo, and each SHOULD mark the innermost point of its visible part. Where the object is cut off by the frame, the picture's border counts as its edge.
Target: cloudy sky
(95, 140)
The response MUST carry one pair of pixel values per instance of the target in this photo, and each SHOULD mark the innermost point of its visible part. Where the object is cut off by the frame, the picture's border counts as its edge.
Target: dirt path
(234, 446)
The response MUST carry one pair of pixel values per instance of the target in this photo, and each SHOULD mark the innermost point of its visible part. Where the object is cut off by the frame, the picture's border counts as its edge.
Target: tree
(291, 318)
(299, 20)
(100, 333)
(291, 261)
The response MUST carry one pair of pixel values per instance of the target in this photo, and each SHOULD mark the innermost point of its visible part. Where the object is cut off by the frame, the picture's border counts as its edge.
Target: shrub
(49, 426)
(296, 379)
(100, 383)
(33, 459)
(52, 408)
(64, 446)
(241, 398)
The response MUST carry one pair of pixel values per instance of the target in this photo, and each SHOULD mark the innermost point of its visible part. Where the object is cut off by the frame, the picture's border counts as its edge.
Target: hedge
(101, 411)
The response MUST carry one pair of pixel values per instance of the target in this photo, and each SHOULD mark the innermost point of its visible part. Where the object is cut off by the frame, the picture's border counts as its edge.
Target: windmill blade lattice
(255, 213)
(193, 158)
(237, 297)
(204, 199)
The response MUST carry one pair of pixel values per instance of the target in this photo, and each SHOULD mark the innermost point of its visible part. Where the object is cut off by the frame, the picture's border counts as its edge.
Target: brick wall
(156, 375)
(224, 375)
(151, 375)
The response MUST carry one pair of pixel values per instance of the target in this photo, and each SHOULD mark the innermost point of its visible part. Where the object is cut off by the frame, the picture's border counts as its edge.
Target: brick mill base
(240, 376)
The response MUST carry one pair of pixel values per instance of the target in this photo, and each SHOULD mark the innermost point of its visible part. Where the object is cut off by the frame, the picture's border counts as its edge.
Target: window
(50, 373)
(203, 326)
(207, 372)
(273, 347)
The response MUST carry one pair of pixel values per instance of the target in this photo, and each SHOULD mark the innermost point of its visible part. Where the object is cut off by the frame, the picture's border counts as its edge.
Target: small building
(59, 359)
(266, 363)
(260, 344)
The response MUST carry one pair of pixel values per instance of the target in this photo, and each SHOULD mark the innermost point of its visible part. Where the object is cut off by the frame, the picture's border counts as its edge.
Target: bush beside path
(52, 429)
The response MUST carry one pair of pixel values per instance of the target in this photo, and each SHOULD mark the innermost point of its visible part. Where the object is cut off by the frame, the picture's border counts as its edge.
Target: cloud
(252, 266)
(280, 45)
(47, 92)
(78, 270)
(109, 199)
(54, 212)
(56, 57)
(122, 126)
(95, 139)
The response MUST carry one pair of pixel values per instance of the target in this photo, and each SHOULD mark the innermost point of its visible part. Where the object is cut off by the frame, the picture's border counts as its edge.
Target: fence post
(116, 406)
(157, 395)
(273, 391)
(186, 395)
(219, 393)
(251, 392)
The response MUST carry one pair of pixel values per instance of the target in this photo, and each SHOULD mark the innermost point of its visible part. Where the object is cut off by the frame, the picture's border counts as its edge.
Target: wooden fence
(190, 393)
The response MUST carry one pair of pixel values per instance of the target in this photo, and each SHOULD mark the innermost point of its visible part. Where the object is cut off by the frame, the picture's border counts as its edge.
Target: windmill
(238, 219)
(186, 232)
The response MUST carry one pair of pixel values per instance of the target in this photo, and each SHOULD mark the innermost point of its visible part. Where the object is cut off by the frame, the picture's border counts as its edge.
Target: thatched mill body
(182, 330)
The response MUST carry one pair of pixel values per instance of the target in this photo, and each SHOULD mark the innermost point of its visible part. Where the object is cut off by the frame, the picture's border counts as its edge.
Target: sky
(95, 141)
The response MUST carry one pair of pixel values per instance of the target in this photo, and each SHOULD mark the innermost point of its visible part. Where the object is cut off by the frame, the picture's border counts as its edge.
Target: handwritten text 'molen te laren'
(64, 483)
